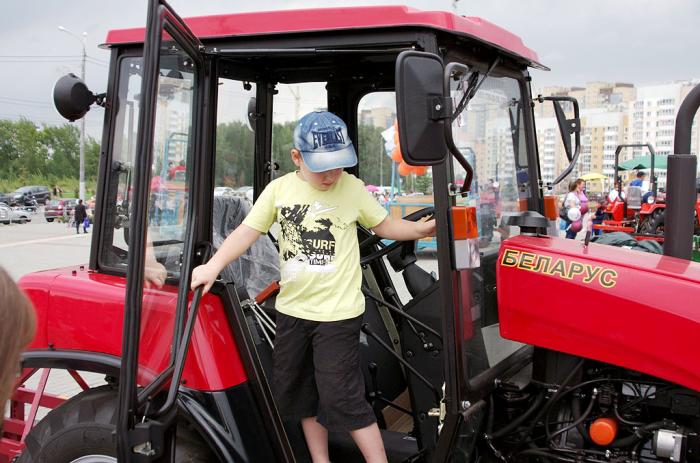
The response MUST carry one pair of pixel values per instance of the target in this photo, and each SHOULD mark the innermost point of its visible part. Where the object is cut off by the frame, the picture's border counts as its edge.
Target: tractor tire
(82, 430)
(653, 225)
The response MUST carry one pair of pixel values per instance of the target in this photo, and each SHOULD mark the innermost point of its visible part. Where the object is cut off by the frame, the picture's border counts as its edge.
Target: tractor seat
(634, 197)
(259, 265)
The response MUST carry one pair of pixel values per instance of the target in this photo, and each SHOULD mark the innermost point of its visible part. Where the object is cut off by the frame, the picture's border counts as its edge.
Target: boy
(316, 371)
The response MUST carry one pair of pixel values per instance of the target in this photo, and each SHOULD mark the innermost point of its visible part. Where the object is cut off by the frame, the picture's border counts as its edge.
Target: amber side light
(522, 204)
(464, 225)
(551, 209)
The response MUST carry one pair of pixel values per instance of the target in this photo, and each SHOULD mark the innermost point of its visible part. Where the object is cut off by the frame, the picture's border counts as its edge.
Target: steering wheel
(375, 239)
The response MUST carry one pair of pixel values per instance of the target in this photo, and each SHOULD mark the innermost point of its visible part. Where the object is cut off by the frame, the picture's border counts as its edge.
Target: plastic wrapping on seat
(259, 265)
(634, 197)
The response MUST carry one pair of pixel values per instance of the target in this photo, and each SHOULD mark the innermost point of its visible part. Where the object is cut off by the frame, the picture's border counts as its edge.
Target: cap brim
(323, 161)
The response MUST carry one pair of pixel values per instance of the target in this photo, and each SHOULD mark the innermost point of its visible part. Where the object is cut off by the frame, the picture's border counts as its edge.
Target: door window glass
(292, 102)
(490, 134)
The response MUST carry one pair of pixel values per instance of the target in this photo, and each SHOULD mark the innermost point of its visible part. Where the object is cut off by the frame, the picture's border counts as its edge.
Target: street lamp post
(82, 120)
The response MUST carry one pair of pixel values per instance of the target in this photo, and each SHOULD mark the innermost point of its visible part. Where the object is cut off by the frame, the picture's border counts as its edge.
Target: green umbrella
(644, 162)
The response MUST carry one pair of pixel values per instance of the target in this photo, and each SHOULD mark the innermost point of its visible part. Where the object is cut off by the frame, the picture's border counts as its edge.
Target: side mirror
(252, 113)
(72, 98)
(567, 127)
(422, 110)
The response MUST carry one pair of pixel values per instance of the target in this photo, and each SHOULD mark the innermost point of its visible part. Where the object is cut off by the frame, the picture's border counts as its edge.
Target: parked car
(9, 215)
(62, 208)
(22, 196)
(5, 198)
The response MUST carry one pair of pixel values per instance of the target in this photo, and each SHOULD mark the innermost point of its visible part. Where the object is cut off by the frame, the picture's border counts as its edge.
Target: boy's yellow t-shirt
(319, 251)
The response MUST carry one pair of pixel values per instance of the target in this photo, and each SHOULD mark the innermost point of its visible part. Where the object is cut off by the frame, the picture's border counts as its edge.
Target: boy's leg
(369, 440)
(316, 439)
(341, 388)
(294, 387)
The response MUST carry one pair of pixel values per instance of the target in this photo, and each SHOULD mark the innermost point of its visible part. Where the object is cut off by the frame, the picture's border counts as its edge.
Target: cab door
(161, 236)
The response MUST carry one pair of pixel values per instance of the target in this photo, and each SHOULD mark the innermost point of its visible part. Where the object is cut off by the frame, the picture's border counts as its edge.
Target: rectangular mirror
(421, 108)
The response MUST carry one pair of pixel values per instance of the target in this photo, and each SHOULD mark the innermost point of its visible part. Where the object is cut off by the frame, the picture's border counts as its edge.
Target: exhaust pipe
(680, 183)
(680, 201)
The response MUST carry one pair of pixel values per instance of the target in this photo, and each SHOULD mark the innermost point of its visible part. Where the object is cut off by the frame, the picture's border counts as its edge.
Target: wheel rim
(95, 459)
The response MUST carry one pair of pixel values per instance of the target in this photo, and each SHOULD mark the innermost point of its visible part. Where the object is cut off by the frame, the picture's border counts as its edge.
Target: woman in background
(572, 204)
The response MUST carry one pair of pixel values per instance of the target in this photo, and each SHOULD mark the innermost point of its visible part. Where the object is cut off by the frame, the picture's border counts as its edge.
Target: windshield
(490, 135)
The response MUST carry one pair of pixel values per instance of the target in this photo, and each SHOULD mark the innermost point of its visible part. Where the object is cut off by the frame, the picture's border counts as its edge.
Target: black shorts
(316, 372)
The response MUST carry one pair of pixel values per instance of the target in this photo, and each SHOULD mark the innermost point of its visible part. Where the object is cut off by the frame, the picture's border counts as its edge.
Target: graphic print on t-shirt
(308, 242)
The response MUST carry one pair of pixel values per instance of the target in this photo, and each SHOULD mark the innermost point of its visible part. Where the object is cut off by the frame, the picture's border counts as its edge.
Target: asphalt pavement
(40, 245)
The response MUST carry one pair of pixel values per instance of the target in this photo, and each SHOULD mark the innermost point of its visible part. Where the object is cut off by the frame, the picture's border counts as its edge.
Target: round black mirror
(252, 115)
(71, 97)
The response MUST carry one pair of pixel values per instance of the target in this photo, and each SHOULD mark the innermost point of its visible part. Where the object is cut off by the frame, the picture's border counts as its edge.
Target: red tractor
(530, 348)
(628, 211)
(631, 211)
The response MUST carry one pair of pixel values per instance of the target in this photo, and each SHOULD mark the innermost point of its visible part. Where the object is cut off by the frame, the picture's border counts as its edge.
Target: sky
(636, 41)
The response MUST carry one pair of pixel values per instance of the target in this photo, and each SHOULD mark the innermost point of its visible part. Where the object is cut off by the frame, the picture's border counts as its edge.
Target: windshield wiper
(473, 84)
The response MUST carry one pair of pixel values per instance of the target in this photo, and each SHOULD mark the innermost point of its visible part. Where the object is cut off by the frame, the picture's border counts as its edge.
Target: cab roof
(341, 18)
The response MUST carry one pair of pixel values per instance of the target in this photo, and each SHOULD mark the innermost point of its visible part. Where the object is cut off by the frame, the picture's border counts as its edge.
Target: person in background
(642, 183)
(581, 193)
(80, 214)
(639, 181)
(17, 326)
(57, 192)
(614, 195)
(572, 201)
(597, 217)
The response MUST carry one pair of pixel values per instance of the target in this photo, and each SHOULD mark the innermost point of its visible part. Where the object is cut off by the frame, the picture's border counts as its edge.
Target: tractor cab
(468, 350)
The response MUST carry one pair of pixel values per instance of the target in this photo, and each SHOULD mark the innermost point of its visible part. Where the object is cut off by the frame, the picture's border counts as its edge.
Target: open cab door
(160, 238)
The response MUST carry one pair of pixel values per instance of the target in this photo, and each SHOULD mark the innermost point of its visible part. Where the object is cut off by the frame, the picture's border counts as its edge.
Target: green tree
(375, 165)
(21, 149)
(92, 158)
(234, 154)
(63, 148)
(424, 184)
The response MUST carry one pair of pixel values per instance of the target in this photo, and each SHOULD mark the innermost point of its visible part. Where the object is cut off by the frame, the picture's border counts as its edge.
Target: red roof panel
(344, 18)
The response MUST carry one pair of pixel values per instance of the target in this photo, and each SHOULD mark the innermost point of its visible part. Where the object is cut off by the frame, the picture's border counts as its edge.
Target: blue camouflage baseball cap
(322, 138)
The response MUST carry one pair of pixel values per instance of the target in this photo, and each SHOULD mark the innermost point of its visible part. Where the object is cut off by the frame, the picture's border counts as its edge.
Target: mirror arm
(567, 128)
(466, 186)
(101, 99)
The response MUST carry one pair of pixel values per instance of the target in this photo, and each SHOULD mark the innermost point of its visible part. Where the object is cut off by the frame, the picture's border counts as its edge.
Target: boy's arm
(233, 246)
(404, 230)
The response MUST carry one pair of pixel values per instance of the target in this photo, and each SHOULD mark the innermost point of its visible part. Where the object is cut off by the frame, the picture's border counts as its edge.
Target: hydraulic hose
(641, 433)
(576, 411)
(555, 397)
(519, 420)
(580, 420)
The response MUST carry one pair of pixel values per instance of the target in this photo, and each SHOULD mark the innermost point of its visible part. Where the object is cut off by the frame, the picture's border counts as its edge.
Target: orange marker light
(603, 431)
(522, 204)
(551, 209)
(465, 238)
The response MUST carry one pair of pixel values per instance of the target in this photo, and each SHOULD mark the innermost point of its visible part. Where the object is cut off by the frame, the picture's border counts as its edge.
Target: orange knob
(603, 431)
